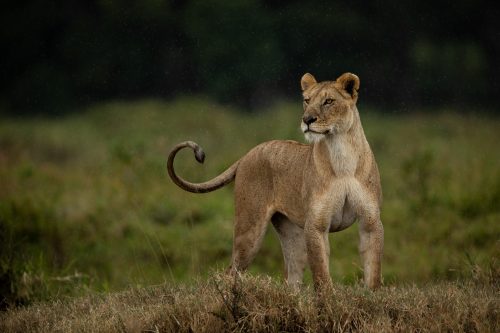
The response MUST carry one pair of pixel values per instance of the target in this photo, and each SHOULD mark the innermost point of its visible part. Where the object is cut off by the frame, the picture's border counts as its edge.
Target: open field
(86, 205)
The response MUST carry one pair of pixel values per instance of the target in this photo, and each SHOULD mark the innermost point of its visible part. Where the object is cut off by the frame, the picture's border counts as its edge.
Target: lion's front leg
(371, 244)
(371, 232)
(316, 235)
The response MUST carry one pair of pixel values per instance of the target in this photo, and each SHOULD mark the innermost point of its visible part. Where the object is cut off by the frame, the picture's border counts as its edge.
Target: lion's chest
(348, 197)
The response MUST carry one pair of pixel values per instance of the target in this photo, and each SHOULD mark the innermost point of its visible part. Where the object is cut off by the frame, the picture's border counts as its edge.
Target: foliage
(407, 53)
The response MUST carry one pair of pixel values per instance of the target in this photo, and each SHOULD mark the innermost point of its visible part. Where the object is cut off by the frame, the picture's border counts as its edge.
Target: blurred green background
(95, 93)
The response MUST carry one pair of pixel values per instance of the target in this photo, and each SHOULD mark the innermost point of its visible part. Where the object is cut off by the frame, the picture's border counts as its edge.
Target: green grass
(86, 203)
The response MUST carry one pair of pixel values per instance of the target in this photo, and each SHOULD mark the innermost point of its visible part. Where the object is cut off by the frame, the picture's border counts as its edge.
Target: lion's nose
(308, 120)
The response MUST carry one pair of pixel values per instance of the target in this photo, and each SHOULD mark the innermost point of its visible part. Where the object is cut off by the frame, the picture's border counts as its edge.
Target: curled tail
(223, 179)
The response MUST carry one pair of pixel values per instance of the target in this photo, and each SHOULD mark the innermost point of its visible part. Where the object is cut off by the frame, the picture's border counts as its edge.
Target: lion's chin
(313, 137)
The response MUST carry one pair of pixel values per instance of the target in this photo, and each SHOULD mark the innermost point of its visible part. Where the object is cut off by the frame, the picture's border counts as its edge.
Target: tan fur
(307, 191)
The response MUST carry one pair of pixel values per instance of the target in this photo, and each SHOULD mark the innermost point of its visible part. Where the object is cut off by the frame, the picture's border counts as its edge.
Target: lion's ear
(307, 81)
(350, 83)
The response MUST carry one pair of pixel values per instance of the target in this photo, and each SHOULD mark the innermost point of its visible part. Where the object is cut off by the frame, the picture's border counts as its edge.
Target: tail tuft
(224, 178)
(199, 154)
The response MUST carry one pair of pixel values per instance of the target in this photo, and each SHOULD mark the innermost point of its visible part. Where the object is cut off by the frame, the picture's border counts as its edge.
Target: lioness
(306, 191)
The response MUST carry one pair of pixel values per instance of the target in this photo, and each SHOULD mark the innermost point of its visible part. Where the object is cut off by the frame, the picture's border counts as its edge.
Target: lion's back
(273, 168)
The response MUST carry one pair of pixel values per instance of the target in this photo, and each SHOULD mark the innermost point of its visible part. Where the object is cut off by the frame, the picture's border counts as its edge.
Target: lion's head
(329, 106)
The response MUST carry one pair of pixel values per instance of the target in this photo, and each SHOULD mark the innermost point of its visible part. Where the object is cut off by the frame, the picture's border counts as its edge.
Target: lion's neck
(345, 150)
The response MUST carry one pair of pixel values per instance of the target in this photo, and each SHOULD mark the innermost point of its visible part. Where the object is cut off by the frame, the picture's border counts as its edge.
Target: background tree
(58, 55)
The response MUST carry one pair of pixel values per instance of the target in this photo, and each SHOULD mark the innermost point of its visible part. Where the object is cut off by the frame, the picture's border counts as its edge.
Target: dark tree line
(57, 55)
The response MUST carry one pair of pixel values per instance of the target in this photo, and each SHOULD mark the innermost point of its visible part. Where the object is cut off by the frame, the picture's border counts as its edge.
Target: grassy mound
(250, 304)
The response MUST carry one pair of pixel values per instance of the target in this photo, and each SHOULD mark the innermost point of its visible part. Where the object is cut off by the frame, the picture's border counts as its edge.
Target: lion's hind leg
(249, 229)
(293, 245)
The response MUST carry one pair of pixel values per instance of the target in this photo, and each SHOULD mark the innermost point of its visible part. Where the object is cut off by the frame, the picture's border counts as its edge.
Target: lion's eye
(328, 101)
(306, 100)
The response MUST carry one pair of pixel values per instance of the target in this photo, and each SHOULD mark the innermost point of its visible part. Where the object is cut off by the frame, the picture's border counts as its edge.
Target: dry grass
(248, 304)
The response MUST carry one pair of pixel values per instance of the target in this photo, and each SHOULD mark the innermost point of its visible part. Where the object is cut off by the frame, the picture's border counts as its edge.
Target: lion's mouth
(308, 130)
